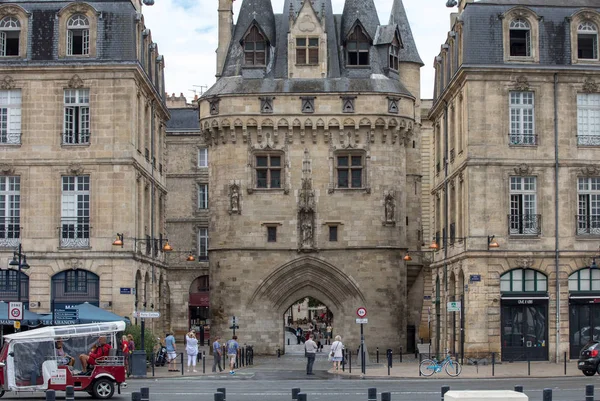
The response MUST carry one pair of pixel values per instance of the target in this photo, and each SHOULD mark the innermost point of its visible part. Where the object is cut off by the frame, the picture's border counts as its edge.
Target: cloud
(186, 33)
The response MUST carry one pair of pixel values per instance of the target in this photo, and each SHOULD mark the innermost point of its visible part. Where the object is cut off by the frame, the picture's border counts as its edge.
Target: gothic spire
(398, 16)
(362, 10)
(260, 11)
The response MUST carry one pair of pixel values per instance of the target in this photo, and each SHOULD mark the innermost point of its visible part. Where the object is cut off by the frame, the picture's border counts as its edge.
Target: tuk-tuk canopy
(68, 331)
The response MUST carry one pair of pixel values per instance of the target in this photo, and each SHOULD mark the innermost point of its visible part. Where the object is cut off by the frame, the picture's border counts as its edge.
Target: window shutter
(69, 42)
(86, 41)
(2, 43)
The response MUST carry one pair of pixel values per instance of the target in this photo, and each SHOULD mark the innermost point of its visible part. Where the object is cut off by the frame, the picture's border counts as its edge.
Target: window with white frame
(203, 244)
(75, 212)
(10, 116)
(588, 119)
(10, 211)
(588, 205)
(10, 32)
(522, 119)
(77, 117)
(203, 157)
(202, 196)
(520, 38)
(523, 218)
(78, 36)
(587, 41)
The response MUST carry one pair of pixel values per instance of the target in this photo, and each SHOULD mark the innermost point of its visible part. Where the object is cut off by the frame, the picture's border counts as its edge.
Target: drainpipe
(556, 241)
(445, 228)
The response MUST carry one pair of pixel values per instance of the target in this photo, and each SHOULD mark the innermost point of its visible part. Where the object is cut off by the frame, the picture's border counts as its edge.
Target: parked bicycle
(427, 367)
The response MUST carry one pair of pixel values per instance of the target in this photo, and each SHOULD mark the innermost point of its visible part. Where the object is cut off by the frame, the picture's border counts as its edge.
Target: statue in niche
(234, 199)
(389, 208)
(307, 230)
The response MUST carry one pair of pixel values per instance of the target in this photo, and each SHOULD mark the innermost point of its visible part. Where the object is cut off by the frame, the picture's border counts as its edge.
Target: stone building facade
(82, 150)
(314, 180)
(515, 165)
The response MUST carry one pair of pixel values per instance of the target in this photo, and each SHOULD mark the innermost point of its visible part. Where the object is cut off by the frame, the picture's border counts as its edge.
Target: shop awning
(87, 313)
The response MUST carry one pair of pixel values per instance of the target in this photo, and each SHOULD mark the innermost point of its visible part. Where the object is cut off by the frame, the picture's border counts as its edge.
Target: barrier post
(372, 394)
(136, 396)
(350, 361)
(519, 389)
(528, 366)
(50, 395)
(302, 397)
(493, 362)
(386, 396)
(219, 397)
(445, 389)
(223, 391)
(344, 356)
(565, 363)
(547, 394)
(295, 392)
(70, 393)
(400, 354)
(145, 393)
(377, 354)
(203, 362)
(589, 392)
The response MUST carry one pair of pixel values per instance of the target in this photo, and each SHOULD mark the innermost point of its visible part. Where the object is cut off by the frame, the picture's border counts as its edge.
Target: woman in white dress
(337, 352)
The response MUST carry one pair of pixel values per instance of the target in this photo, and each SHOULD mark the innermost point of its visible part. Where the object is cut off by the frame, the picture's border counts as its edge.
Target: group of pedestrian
(336, 354)
(321, 332)
(231, 348)
(127, 347)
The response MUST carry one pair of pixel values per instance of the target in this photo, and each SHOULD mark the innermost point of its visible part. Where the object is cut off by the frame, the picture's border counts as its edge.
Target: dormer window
(520, 38)
(587, 41)
(307, 51)
(78, 36)
(255, 48)
(394, 51)
(357, 46)
(10, 31)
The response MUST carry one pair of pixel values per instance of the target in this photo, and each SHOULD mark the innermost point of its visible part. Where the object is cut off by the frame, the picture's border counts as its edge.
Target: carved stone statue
(235, 199)
(307, 231)
(389, 208)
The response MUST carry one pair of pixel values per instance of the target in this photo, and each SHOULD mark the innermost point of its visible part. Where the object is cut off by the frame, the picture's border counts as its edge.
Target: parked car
(589, 358)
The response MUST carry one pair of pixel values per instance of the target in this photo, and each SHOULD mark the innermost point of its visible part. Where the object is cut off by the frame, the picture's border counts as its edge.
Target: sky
(186, 34)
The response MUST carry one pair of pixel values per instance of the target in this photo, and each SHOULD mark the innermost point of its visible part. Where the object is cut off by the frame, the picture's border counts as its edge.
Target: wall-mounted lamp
(119, 241)
(492, 243)
(593, 265)
(191, 257)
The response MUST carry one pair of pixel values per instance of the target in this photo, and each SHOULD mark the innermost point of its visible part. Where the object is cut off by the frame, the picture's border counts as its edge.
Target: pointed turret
(362, 10)
(260, 11)
(409, 52)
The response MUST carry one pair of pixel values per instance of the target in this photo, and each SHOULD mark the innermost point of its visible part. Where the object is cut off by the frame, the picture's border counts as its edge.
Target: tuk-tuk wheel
(103, 388)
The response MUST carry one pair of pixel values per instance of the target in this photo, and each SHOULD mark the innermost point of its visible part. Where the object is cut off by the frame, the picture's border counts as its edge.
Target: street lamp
(120, 241)
(19, 260)
(492, 243)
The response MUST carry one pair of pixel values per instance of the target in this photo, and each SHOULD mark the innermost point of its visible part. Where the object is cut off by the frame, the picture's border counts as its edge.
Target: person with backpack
(232, 349)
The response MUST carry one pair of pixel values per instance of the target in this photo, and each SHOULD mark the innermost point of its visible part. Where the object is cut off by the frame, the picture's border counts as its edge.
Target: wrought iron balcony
(588, 140)
(75, 232)
(10, 232)
(10, 138)
(588, 225)
(525, 224)
(523, 139)
(76, 138)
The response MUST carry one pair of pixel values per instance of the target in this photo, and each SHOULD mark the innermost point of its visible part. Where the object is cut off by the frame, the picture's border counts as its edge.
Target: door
(524, 330)
(584, 324)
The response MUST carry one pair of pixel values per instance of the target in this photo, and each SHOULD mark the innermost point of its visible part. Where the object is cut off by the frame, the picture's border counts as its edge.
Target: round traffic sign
(361, 312)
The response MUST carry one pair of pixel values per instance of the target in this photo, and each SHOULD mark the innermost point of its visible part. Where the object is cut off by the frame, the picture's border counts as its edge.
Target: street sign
(15, 310)
(146, 315)
(125, 291)
(361, 312)
(453, 306)
(362, 321)
(17, 324)
(474, 277)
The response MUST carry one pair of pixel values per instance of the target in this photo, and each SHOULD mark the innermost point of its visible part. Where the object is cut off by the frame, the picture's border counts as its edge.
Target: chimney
(225, 32)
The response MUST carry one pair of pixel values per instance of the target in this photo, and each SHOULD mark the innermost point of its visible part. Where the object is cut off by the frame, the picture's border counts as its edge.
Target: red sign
(361, 312)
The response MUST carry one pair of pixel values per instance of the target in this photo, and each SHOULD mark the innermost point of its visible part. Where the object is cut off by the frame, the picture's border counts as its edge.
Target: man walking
(311, 348)
(232, 348)
(171, 352)
(217, 355)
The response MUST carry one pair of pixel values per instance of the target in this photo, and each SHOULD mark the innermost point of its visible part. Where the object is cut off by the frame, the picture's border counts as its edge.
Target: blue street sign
(475, 277)
(66, 316)
(125, 291)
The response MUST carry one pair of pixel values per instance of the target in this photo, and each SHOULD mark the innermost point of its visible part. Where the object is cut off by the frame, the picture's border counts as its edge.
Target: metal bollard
(528, 366)
(519, 389)
(295, 392)
(145, 392)
(219, 397)
(223, 391)
(50, 395)
(389, 354)
(182, 366)
(278, 353)
(136, 396)
(589, 392)
(493, 362)
(386, 396)
(400, 354)
(203, 362)
(565, 363)
(302, 397)
(372, 394)
(377, 353)
(445, 389)
(547, 394)
(350, 362)
(69, 393)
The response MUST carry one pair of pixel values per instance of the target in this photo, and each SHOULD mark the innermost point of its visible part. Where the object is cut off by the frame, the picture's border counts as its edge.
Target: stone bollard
(445, 389)
(136, 396)
(50, 395)
(70, 393)
(519, 389)
(302, 397)
(386, 396)
(295, 392)
(223, 391)
(547, 394)
(145, 391)
(589, 392)
(372, 394)
(219, 396)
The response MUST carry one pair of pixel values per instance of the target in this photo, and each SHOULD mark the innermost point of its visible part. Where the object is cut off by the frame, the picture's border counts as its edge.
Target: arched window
(585, 280)
(255, 48)
(8, 285)
(587, 41)
(520, 38)
(393, 51)
(357, 46)
(78, 35)
(75, 286)
(10, 31)
(523, 280)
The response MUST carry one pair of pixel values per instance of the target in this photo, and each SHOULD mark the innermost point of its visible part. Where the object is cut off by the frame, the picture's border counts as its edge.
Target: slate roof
(483, 30)
(385, 34)
(274, 78)
(185, 120)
